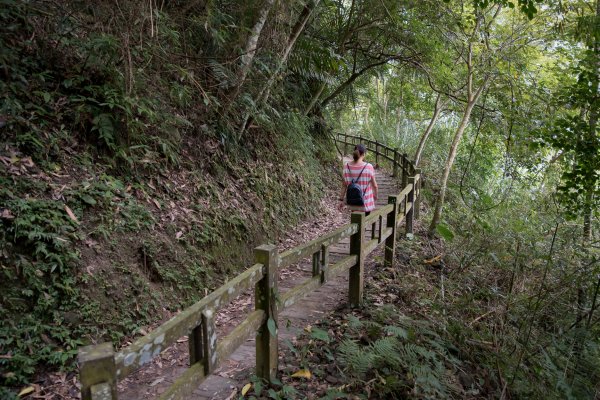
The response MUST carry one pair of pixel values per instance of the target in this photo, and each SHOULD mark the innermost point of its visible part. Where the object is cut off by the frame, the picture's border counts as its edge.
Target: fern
(312, 61)
(402, 357)
(357, 361)
(396, 331)
(223, 75)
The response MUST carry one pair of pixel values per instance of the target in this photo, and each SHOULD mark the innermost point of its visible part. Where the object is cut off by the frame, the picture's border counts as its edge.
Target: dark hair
(359, 150)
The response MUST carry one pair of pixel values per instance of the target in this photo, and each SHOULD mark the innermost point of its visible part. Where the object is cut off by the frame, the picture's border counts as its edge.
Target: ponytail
(359, 150)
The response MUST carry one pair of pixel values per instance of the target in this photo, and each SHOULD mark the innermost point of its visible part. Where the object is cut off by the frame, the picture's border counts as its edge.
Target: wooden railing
(100, 367)
(399, 161)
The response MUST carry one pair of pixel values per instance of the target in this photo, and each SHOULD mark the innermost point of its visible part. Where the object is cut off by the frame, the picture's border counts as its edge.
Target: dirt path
(226, 382)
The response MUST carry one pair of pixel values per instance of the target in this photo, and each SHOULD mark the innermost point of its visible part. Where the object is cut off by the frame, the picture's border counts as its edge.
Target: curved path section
(155, 378)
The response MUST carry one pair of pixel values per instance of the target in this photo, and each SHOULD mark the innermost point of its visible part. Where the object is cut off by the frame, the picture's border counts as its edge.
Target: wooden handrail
(147, 347)
(304, 250)
(101, 368)
(398, 160)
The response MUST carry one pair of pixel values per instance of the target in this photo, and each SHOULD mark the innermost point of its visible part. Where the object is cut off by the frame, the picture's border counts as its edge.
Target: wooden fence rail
(100, 367)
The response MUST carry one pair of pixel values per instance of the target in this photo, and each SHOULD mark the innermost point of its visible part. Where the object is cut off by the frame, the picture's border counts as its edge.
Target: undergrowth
(123, 197)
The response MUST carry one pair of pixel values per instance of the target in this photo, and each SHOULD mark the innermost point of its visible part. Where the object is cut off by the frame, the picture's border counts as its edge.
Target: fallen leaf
(156, 382)
(26, 391)
(246, 388)
(433, 260)
(156, 203)
(303, 373)
(178, 235)
(71, 215)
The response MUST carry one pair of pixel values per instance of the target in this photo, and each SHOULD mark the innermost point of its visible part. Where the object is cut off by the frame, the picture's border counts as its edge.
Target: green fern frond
(223, 75)
(354, 322)
(396, 331)
(313, 61)
(355, 360)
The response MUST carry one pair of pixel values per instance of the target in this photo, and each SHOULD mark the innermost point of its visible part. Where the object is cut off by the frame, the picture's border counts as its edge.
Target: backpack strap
(361, 171)
(350, 172)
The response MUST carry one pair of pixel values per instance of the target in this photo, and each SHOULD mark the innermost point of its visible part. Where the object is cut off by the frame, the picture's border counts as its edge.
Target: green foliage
(277, 391)
(527, 7)
(444, 231)
(416, 363)
(39, 286)
(84, 94)
(576, 134)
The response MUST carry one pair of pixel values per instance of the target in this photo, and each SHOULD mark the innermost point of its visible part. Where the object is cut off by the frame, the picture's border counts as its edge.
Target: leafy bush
(39, 286)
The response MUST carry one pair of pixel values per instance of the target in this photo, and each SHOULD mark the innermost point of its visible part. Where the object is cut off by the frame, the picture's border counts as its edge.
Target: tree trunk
(439, 104)
(315, 98)
(265, 92)
(437, 214)
(471, 101)
(250, 49)
(398, 124)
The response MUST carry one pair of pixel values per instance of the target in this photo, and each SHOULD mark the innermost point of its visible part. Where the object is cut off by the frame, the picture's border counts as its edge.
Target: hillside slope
(124, 198)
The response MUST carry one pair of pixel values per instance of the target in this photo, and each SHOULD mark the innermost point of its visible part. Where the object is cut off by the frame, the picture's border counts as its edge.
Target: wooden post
(316, 263)
(418, 193)
(356, 278)
(195, 345)
(395, 163)
(101, 391)
(404, 170)
(324, 263)
(411, 212)
(209, 342)
(390, 242)
(97, 372)
(202, 342)
(376, 154)
(265, 299)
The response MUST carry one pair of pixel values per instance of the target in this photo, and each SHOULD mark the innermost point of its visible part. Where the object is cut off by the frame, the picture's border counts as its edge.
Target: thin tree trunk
(315, 98)
(398, 124)
(265, 92)
(471, 101)
(351, 80)
(437, 214)
(439, 104)
(250, 49)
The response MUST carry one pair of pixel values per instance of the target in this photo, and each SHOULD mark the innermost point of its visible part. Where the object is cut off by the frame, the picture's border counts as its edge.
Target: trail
(156, 377)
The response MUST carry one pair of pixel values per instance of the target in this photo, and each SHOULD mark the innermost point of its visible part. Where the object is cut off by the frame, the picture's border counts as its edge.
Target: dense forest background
(138, 137)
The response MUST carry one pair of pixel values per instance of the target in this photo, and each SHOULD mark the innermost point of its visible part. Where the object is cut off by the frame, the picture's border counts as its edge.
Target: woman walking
(362, 174)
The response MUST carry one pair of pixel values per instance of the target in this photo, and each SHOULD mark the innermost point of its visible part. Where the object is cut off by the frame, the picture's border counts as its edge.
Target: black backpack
(354, 194)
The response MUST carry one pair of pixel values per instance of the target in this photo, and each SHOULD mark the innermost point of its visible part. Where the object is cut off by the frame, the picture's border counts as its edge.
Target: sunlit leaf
(303, 373)
(445, 232)
(246, 388)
